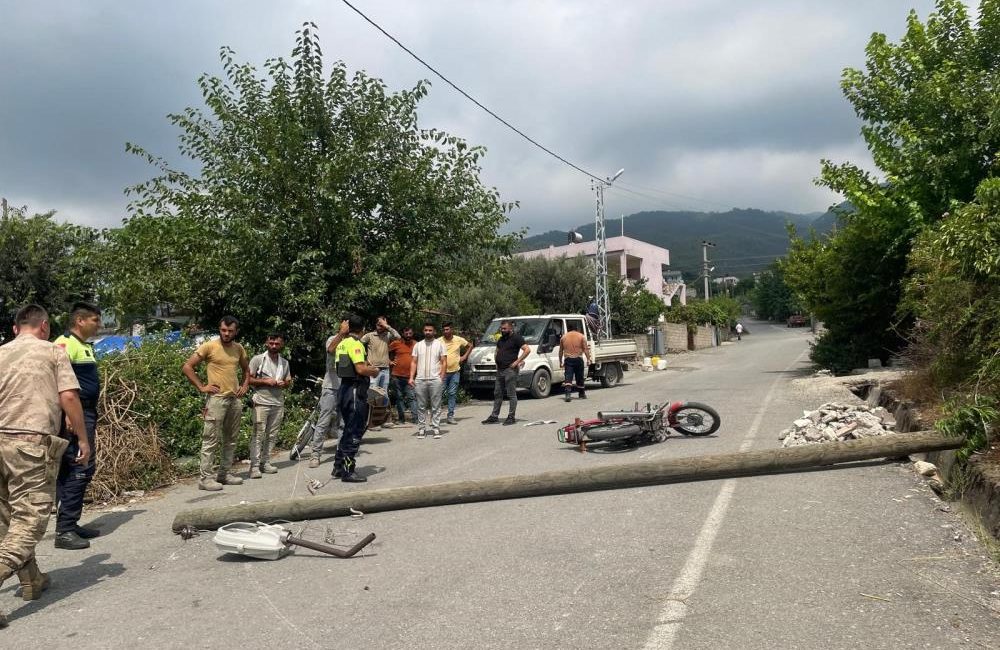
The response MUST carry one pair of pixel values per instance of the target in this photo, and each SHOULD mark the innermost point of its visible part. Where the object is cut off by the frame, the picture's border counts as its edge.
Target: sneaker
(255, 473)
(353, 478)
(314, 462)
(378, 428)
(268, 468)
(583, 396)
(509, 421)
(491, 420)
(567, 397)
(71, 541)
(437, 434)
(388, 425)
(421, 434)
(229, 479)
(209, 484)
(451, 420)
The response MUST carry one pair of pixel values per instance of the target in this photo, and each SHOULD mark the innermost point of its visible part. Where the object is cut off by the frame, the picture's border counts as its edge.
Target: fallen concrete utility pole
(585, 479)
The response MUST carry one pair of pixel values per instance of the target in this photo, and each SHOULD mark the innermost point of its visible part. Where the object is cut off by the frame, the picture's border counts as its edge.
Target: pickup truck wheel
(612, 375)
(541, 384)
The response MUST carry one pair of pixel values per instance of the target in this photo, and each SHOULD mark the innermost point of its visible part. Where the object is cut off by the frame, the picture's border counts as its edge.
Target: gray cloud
(727, 102)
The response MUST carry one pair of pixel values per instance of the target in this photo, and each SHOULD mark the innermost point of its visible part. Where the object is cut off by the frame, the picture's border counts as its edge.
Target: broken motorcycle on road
(639, 426)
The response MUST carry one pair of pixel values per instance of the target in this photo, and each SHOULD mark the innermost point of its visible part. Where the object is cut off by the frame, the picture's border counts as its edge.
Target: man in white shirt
(270, 376)
(427, 371)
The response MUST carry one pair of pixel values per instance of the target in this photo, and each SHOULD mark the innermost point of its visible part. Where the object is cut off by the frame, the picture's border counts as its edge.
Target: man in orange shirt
(574, 352)
(400, 357)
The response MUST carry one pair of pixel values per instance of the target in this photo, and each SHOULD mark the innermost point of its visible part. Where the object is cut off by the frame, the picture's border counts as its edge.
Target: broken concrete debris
(835, 421)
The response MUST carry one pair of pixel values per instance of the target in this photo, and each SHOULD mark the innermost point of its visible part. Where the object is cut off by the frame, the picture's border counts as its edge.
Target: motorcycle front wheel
(695, 419)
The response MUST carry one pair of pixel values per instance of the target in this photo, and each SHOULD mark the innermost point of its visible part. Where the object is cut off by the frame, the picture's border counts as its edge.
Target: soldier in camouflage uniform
(36, 387)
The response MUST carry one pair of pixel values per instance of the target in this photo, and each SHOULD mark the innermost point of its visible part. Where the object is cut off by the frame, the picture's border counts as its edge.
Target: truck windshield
(530, 329)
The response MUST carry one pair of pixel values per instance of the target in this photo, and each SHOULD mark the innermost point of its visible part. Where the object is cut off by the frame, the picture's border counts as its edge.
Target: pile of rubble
(835, 421)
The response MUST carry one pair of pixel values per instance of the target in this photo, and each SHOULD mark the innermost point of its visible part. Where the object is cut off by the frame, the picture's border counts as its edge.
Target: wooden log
(584, 479)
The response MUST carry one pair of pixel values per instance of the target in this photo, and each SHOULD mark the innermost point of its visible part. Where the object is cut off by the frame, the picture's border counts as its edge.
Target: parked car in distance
(797, 320)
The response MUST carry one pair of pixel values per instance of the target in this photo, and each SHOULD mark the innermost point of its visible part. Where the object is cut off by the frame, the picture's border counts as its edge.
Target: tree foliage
(317, 194)
(547, 286)
(771, 296)
(45, 262)
(720, 311)
(955, 292)
(930, 107)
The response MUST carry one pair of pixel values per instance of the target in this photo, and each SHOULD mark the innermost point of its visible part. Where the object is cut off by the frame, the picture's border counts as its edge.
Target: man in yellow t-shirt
(351, 361)
(224, 408)
(453, 346)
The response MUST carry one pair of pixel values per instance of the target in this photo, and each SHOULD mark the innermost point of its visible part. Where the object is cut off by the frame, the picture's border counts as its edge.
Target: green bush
(973, 421)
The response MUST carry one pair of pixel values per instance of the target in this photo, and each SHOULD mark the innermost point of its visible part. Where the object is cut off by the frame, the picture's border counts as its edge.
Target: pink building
(633, 259)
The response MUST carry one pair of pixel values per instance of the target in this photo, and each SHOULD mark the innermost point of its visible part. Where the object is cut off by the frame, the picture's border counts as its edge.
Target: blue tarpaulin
(118, 342)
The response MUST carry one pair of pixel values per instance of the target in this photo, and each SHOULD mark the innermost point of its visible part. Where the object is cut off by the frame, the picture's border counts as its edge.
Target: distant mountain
(746, 240)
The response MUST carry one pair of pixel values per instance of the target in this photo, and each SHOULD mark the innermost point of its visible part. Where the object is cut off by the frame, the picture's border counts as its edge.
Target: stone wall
(644, 344)
(704, 337)
(675, 336)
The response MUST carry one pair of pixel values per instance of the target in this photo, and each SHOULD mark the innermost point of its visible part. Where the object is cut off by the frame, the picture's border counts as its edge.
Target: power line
(470, 97)
(674, 194)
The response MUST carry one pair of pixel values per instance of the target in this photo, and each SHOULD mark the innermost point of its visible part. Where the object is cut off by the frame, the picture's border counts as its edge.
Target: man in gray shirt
(269, 376)
(328, 412)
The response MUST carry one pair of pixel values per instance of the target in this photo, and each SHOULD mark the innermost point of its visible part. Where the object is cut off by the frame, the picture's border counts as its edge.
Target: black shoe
(353, 478)
(509, 421)
(567, 397)
(583, 396)
(71, 541)
(87, 533)
(491, 420)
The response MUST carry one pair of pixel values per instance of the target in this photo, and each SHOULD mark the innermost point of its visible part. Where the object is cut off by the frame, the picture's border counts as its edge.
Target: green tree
(558, 285)
(316, 195)
(955, 293)
(929, 107)
(46, 262)
(771, 296)
(633, 306)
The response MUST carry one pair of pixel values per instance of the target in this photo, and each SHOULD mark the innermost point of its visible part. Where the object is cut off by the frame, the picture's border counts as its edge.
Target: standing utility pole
(601, 291)
(704, 265)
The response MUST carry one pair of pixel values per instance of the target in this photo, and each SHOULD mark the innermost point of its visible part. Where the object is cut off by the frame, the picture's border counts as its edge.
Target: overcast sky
(707, 104)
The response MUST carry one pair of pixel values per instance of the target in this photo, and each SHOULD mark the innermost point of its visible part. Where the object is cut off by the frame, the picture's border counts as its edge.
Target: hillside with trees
(746, 240)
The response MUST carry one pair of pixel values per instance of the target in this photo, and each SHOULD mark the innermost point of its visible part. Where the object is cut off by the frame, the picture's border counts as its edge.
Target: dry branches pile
(130, 455)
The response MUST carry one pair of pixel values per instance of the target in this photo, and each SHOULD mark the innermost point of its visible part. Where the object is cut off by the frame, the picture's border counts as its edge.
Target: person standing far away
(427, 373)
(329, 400)
(37, 386)
(270, 375)
(400, 357)
(355, 375)
(574, 356)
(224, 407)
(73, 479)
(510, 354)
(453, 346)
(377, 343)
(739, 331)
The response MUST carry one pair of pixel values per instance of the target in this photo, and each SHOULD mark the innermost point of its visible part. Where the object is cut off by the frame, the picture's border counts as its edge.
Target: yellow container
(656, 361)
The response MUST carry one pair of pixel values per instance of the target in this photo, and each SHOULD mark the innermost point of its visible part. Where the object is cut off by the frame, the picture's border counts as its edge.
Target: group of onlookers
(384, 361)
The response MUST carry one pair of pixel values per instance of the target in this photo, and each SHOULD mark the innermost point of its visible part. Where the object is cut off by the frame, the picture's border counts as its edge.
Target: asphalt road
(855, 557)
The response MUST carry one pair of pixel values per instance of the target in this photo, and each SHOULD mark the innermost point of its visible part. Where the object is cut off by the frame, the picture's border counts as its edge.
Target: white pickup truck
(610, 358)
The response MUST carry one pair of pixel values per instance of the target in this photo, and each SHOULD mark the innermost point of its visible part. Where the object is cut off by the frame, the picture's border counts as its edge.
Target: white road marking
(664, 634)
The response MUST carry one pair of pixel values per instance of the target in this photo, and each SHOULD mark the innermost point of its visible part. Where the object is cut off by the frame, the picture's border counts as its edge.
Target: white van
(610, 357)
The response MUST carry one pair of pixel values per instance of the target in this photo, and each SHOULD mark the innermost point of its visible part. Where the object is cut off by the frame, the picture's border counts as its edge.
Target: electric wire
(471, 98)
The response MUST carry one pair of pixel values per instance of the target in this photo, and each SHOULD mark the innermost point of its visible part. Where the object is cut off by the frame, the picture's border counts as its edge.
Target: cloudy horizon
(707, 105)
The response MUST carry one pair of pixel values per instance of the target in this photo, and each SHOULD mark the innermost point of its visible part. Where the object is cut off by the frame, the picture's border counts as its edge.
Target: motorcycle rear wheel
(620, 431)
(696, 419)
